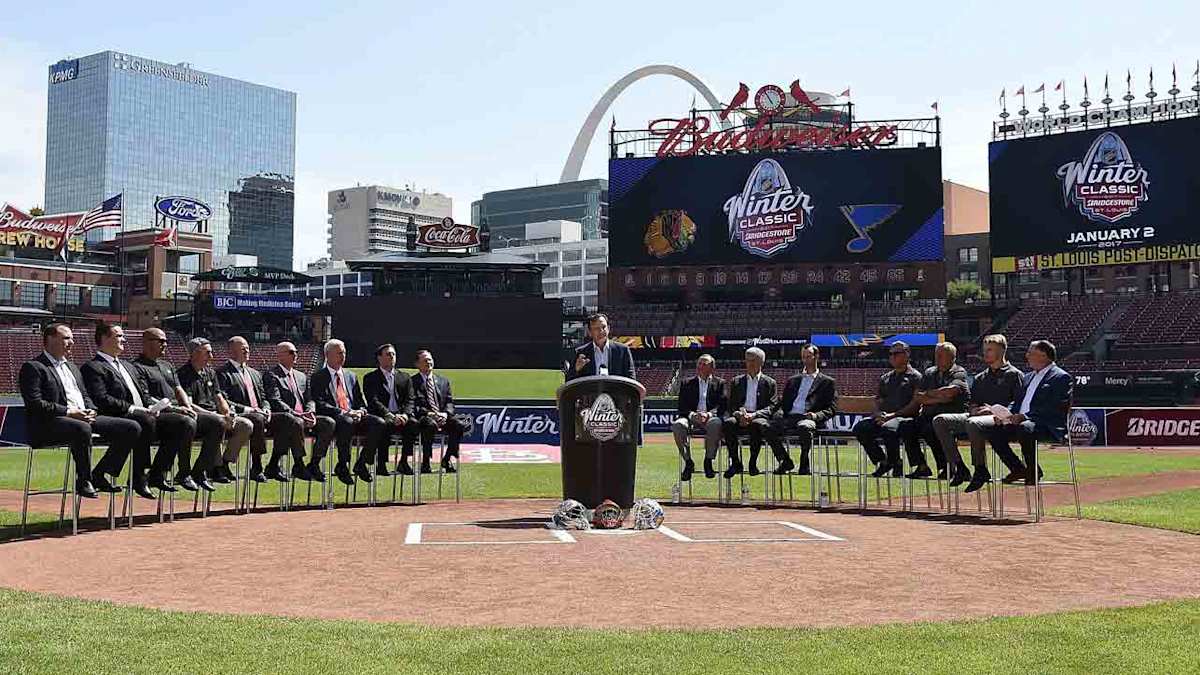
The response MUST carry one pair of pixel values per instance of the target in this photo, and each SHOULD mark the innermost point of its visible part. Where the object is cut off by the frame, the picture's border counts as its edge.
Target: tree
(966, 292)
(37, 212)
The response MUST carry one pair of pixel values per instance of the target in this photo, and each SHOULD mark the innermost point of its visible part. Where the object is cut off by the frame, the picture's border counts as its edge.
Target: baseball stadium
(832, 413)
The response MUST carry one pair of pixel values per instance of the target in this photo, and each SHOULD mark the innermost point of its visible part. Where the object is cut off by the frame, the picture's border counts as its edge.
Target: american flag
(105, 214)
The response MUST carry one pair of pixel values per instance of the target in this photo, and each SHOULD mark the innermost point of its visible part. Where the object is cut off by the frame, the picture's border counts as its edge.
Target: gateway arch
(579, 150)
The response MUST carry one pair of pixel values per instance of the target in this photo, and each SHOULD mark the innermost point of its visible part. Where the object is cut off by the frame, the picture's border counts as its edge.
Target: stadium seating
(926, 315)
(1167, 319)
(1065, 322)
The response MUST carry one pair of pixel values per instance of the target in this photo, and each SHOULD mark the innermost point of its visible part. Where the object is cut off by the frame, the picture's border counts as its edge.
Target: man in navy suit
(433, 411)
(337, 394)
(1039, 412)
(59, 410)
(601, 356)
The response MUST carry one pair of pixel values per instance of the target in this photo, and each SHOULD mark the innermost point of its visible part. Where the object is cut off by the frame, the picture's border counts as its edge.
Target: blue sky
(466, 97)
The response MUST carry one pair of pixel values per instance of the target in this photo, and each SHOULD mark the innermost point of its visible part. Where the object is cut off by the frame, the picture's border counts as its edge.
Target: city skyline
(472, 103)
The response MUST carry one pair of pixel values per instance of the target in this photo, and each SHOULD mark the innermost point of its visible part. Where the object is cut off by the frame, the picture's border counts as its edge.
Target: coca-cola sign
(766, 215)
(184, 209)
(447, 234)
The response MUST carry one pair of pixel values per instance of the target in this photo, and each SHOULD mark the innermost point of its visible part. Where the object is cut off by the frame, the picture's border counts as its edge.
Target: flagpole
(121, 262)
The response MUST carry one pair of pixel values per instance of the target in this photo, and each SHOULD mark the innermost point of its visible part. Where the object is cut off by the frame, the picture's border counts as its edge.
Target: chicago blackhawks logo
(765, 217)
(1108, 184)
(670, 232)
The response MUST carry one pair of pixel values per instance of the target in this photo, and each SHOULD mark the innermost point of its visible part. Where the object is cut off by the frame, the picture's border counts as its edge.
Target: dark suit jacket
(375, 390)
(689, 396)
(232, 386)
(620, 361)
(441, 386)
(107, 388)
(1048, 409)
(321, 391)
(43, 394)
(821, 401)
(279, 394)
(766, 394)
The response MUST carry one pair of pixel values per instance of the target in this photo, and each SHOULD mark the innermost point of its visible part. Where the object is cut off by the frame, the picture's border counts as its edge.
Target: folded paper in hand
(1002, 414)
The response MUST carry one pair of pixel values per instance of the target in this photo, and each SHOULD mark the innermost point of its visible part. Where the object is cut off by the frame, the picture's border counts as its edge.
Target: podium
(600, 426)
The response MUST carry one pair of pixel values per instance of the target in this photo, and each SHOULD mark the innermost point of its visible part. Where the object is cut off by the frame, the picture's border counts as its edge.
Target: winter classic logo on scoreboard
(765, 217)
(603, 420)
(183, 208)
(1108, 184)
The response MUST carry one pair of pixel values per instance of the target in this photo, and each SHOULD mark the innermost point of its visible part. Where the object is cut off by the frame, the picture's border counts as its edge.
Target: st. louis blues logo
(765, 217)
(1108, 184)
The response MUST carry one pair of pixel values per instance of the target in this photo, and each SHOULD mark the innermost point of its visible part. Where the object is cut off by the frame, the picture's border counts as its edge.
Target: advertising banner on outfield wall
(818, 206)
(1153, 426)
(1106, 196)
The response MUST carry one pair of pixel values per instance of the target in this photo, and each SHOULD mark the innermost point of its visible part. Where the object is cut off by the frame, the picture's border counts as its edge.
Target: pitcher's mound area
(495, 563)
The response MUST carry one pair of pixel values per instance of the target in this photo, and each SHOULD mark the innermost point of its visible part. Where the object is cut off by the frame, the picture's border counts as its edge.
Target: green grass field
(1179, 510)
(512, 383)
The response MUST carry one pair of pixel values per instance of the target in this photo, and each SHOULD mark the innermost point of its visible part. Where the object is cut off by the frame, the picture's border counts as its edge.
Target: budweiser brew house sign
(447, 234)
(53, 233)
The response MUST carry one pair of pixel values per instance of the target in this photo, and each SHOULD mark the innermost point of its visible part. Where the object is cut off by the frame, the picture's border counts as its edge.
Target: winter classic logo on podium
(769, 212)
(602, 421)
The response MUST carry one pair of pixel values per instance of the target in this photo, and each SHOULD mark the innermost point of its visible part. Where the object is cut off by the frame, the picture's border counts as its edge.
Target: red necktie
(249, 388)
(342, 400)
(295, 392)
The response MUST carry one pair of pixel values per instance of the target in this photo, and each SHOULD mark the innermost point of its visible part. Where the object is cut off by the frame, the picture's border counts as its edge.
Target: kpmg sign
(401, 199)
(257, 303)
(64, 71)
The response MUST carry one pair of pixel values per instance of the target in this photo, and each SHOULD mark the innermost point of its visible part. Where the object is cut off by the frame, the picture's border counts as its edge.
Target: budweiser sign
(18, 228)
(448, 234)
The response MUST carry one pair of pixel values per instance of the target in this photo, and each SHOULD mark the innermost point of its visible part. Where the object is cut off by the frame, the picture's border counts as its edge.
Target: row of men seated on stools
(997, 405)
(133, 405)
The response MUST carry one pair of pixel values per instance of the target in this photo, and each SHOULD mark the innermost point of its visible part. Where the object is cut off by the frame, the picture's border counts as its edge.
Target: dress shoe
(425, 468)
(84, 488)
(381, 471)
(898, 469)
(881, 470)
(920, 472)
(257, 475)
(1041, 475)
(227, 473)
(1014, 476)
(961, 475)
(688, 467)
(733, 470)
(276, 473)
(803, 470)
(101, 483)
(363, 472)
(785, 467)
(754, 470)
(709, 472)
(159, 482)
(981, 478)
(187, 483)
(447, 467)
(315, 473)
(143, 491)
(218, 476)
(204, 484)
(299, 472)
(404, 468)
(342, 471)
(942, 473)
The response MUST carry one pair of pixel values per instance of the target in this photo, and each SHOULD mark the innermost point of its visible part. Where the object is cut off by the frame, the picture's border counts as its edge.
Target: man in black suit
(156, 377)
(287, 396)
(110, 382)
(433, 406)
(1039, 412)
(751, 400)
(198, 379)
(809, 400)
(389, 397)
(701, 406)
(601, 356)
(59, 410)
(243, 387)
(337, 394)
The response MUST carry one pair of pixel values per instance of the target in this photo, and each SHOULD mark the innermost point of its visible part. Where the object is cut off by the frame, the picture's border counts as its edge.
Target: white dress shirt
(752, 392)
(133, 390)
(806, 383)
(702, 402)
(67, 379)
(601, 358)
(1032, 389)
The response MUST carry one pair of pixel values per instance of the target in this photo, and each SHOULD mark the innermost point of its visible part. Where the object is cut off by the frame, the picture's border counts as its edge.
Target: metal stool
(68, 488)
(723, 484)
(439, 442)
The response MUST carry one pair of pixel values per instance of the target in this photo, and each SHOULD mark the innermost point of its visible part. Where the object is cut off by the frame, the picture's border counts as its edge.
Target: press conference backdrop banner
(817, 206)
(1117, 195)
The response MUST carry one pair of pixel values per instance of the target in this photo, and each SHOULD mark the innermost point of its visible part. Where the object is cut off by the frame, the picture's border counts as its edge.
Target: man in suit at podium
(751, 400)
(701, 406)
(601, 356)
(389, 395)
(808, 401)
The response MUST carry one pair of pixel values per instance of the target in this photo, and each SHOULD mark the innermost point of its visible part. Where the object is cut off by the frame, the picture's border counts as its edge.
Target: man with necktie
(389, 396)
(110, 383)
(750, 404)
(336, 392)
(287, 394)
(59, 410)
(433, 406)
(701, 405)
(243, 387)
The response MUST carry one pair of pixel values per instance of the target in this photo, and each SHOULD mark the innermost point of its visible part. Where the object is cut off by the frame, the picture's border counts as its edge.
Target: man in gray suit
(287, 394)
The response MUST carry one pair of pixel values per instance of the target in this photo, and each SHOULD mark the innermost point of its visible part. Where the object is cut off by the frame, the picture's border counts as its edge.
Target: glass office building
(508, 211)
(117, 123)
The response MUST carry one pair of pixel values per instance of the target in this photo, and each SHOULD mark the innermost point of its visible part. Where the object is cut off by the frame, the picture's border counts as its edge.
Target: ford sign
(183, 208)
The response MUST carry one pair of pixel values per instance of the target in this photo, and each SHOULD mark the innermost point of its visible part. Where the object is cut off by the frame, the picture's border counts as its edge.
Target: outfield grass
(45, 634)
(502, 384)
(1179, 510)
